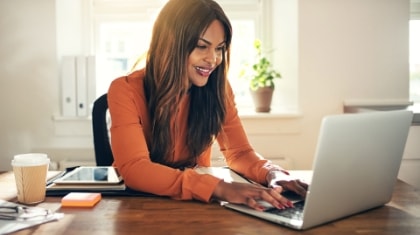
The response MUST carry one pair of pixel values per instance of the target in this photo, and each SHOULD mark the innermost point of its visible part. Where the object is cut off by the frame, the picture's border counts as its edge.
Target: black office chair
(103, 153)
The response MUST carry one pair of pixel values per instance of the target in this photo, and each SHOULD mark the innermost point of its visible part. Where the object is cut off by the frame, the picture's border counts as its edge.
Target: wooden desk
(153, 215)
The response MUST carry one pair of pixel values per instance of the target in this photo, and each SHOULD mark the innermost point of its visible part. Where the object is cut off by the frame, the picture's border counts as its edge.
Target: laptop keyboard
(291, 213)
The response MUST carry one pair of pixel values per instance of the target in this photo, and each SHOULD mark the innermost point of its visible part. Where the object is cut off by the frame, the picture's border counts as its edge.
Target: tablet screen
(91, 175)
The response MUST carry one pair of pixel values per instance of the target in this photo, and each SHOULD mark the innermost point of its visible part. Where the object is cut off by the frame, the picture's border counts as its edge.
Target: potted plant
(261, 76)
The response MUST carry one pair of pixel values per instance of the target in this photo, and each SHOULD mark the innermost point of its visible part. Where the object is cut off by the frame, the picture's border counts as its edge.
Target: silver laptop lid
(356, 164)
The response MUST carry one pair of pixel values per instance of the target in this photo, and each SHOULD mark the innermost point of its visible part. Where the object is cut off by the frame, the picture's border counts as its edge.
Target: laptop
(355, 168)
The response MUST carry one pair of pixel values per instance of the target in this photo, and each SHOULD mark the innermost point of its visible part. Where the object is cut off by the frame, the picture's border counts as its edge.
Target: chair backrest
(103, 153)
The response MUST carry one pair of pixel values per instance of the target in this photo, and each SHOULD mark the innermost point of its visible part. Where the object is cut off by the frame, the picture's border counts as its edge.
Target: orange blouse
(131, 131)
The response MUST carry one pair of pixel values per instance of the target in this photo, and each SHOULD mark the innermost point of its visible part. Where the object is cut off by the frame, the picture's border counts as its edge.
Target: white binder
(68, 86)
(81, 86)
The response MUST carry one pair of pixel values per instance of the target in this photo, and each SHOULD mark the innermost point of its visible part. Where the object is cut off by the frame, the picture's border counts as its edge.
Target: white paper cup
(30, 172)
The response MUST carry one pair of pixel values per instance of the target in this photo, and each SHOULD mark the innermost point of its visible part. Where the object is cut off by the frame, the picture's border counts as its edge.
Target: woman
(166, 116)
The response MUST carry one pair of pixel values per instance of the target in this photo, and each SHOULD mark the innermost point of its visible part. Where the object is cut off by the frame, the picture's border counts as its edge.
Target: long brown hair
(175, 35)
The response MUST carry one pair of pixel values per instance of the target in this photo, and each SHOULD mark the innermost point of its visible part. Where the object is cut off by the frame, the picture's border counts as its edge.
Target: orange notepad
(80, 199)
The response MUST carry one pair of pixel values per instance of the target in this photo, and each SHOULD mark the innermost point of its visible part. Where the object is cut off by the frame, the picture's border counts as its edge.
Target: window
(414, 53)
(117, 33)
(122, 31)
(415, 60)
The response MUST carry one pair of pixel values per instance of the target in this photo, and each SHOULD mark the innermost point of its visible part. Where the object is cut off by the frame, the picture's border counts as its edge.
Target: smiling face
(207, 54)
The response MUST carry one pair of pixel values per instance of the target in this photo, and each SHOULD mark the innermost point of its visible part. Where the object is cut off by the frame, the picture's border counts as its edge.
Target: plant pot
(262, 99)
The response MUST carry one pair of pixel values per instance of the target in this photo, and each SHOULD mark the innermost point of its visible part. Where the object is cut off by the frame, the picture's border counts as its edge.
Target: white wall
(346, 50)
(350, 50)
(338, 50)
(28, 76)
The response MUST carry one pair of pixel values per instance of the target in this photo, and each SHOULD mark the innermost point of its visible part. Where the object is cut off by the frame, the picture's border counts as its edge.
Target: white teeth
(203, 70)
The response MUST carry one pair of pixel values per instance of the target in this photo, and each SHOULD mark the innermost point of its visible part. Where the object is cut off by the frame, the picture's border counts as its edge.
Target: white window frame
(414, 15)
(117, 11)
(75, 36)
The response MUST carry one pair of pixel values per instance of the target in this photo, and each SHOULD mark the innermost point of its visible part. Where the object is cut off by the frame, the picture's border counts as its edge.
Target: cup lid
(30, 159)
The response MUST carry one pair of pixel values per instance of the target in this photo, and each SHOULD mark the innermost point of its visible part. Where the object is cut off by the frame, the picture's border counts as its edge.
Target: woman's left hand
(282, 178)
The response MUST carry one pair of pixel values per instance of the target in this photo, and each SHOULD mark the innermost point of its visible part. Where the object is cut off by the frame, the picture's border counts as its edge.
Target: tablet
(91, 175)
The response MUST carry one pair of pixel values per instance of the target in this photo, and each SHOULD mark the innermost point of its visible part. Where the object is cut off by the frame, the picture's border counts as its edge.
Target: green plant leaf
(262, 74)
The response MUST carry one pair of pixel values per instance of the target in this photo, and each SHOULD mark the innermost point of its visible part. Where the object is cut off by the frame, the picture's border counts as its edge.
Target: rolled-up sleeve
(239, 154)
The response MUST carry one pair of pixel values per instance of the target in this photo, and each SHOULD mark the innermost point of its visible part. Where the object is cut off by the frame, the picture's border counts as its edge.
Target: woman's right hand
(250, 194)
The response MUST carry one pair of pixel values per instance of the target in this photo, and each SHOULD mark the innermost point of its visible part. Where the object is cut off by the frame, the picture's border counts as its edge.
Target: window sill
(65, 119)
(270, 115)
(276, 122)
(250, 113)
(82, 126)
(243, 114)
(351, 106)
(415, 108)
(354, 106)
